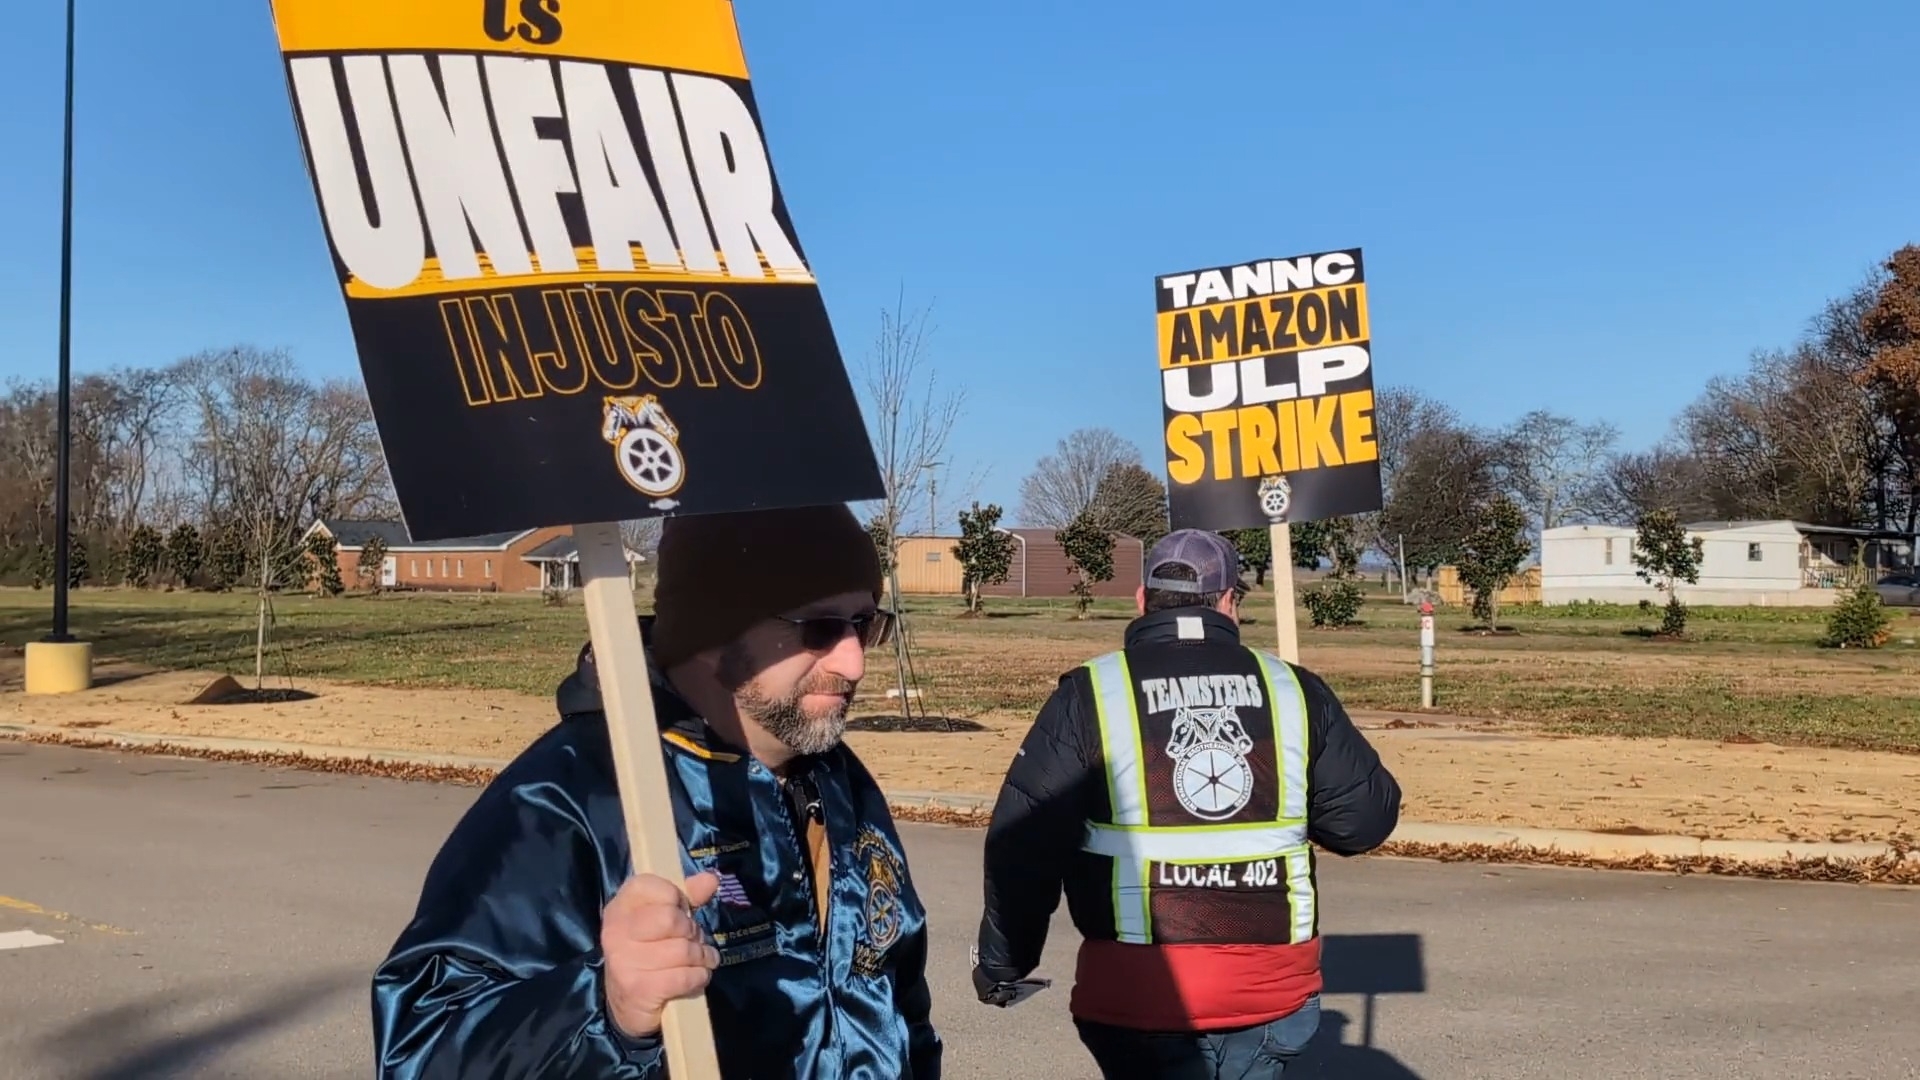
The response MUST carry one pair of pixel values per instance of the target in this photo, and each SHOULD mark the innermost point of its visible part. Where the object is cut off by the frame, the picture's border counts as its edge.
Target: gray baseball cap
(1211, 557)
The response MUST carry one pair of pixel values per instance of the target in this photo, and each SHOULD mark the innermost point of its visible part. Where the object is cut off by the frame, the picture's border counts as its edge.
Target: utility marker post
(1286, 625)
(1426, 654)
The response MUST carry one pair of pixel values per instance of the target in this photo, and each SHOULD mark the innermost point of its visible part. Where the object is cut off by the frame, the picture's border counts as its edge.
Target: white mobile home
(1781, 563)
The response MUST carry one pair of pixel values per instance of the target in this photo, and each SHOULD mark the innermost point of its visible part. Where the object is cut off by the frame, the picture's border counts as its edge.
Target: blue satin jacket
(499, 973)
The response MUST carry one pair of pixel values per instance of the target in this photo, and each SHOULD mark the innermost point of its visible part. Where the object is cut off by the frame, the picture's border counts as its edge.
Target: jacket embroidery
(882, 918)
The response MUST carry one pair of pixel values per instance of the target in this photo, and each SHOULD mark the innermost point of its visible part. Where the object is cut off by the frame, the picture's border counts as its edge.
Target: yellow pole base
(59, 667)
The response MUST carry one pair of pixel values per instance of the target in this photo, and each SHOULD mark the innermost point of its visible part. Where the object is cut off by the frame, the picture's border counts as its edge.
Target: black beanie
(722, 573)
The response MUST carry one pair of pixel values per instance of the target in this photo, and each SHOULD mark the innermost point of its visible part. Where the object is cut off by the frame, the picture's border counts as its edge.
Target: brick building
(513, 562)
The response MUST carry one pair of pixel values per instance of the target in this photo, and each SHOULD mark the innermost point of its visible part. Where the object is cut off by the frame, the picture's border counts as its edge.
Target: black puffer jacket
(1039, 820)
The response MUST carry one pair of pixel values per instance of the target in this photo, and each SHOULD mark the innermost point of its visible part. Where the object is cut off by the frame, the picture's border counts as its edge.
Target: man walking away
(1175, 788)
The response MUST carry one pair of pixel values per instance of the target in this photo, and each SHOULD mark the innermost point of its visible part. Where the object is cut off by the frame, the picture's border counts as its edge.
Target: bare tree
(1400, 416)
(1131, 501)
(1634, 484)
(266, 443)
(1064, 484)
(1830, 436)
(27, 439)
(228, 437)
(1557, 463)
(642, 535)
(1443, 480)
(1794, 437)
(910, 419)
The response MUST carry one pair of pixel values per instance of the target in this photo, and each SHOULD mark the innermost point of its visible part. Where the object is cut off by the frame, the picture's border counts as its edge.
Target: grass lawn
(1752, 672)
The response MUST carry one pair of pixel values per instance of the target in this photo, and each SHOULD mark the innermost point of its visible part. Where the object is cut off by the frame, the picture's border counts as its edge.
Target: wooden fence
(1523, 589)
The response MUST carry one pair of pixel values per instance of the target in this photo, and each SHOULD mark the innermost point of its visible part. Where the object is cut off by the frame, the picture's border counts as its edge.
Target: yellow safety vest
(1260, 852)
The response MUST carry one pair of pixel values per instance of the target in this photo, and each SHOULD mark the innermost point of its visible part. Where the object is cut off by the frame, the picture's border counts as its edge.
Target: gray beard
(801, 733)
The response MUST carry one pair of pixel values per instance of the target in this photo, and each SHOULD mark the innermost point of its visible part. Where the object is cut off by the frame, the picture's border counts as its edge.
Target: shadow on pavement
(156, 1038)
(1330, 1055)
(1368, 965)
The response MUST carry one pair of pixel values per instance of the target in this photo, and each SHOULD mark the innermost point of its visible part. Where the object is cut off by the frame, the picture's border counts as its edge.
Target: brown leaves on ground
(1899, 867)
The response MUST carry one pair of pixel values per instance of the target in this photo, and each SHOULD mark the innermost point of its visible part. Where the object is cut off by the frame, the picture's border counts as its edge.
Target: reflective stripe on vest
(1134, 845)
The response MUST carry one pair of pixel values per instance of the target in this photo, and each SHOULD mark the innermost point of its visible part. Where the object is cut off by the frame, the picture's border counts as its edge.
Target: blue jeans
(1261, 1052)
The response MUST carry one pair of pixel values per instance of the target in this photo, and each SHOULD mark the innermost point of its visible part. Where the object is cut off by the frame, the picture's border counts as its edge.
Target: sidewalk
(1454, 771)
(1825, 860)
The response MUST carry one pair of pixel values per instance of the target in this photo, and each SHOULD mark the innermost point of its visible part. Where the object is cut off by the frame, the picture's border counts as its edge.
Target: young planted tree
(1664, 555)
(1491, 553)
(910, 419)
(1334, 602)
(984, 551)
(1089, 551)
(1859, 621)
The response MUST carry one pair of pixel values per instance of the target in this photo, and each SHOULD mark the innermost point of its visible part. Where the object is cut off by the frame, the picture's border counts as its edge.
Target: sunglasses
(819, 633)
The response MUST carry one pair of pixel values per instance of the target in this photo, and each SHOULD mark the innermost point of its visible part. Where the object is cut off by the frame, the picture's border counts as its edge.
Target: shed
(927, 567)
(1041, 569)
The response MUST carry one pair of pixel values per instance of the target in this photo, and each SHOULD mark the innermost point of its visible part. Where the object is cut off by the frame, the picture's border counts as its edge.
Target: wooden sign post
(577, 299)
(1285, 622)
(1266, 384)
(634, 735)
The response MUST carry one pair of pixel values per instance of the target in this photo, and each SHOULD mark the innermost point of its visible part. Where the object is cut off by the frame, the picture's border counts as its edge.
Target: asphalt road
(218, 920)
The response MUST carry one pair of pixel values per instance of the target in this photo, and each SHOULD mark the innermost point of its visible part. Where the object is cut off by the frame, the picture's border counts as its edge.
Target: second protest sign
(1266, 376)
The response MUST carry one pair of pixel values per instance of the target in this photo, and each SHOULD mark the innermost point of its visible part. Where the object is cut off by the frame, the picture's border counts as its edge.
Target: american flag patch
(731, 892)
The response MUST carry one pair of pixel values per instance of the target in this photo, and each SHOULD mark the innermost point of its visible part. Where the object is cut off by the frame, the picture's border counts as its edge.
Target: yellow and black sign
(573, 283)
(1266, 378)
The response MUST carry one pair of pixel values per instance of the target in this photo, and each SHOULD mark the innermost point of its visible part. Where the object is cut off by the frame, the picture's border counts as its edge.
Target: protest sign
(1266, 380)
(576, 296)
(572, 281)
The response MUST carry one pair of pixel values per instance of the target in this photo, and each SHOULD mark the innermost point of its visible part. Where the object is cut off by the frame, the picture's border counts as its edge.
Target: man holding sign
(578, 299)
(532, 953)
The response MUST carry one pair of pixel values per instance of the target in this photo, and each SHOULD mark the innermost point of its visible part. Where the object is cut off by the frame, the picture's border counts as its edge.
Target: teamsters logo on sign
(558, 233)
(1267, 383)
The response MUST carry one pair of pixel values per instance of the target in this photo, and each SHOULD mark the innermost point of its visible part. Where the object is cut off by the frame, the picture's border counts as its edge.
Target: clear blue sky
(1592, 210)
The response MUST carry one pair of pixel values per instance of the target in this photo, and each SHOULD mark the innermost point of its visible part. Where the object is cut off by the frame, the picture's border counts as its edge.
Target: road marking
(30, 908)
(25, 939)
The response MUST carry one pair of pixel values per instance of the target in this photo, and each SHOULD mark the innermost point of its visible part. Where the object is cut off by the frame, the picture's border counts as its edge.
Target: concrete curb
(109, 737)
(946, 805)
(1621, 846)
(939, 802)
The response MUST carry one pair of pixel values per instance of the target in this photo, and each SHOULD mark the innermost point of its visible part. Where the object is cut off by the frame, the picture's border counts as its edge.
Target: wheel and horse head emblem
(646, 445)
(1276, 498)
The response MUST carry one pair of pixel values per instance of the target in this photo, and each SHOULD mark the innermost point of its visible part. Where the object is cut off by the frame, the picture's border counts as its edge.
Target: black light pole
(62, 538)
